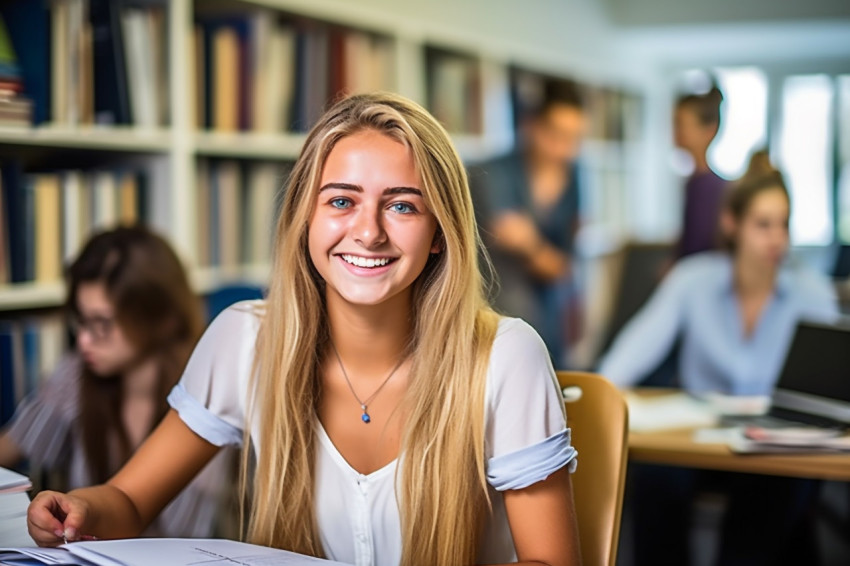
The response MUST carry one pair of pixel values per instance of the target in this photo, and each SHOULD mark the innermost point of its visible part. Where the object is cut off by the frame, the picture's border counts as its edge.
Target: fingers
(75, 516)
(53, 518)
(44, 526)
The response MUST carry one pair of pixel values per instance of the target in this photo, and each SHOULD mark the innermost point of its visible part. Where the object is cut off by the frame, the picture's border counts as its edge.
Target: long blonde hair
(441, 484)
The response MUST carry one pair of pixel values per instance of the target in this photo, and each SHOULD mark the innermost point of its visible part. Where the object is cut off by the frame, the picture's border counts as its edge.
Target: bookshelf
(174, 140)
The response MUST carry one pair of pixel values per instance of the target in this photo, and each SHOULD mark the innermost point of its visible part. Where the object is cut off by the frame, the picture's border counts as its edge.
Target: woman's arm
(10, 452)
(543, 522)
(647, 338)
(164, 464)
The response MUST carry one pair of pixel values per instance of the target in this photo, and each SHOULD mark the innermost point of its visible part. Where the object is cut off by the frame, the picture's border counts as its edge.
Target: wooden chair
(597, 414)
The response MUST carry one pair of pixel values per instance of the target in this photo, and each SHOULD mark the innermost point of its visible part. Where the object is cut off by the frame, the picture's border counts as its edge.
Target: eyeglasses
(98, 327)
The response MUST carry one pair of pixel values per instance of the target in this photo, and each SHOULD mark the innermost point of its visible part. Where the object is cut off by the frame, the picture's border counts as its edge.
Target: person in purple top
(695, 124)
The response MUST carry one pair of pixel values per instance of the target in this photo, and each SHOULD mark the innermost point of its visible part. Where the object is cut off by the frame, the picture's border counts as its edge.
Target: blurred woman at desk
(136, 321)
(734, 311)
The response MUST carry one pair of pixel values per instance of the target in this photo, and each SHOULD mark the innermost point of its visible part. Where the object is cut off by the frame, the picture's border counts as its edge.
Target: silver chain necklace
(364, 405)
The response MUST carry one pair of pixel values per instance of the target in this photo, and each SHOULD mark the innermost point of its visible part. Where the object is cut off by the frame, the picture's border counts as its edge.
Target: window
(803, 148)
(843, 91)
(743, 123)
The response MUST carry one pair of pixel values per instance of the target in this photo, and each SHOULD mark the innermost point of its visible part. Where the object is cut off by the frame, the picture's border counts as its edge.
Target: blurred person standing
(696, 121)
(528, 209)
(136, 321)
(735, 312)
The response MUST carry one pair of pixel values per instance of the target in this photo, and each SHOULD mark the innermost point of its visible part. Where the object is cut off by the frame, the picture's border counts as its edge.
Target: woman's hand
(54, 518)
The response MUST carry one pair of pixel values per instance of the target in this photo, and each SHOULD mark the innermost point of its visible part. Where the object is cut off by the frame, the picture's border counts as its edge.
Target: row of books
(46, 217)
(238, 205)
(29, 350)
(257, 72)
(455, 91)
(91, 61)
(15, 109)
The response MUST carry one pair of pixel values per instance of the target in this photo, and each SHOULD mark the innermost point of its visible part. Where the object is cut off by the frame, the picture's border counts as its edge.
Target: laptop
(814, 386)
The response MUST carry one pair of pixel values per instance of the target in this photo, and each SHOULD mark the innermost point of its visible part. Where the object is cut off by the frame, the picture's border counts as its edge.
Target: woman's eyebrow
(359, 189)
(402, 191)
(343, 186)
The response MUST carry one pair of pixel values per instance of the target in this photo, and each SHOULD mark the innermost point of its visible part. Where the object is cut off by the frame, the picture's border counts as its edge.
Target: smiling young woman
(393, 417)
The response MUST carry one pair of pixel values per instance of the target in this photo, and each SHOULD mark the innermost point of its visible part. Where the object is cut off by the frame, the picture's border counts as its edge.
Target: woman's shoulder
(517, 350)
(704, 267)
(516, 334)
(62, 386)
(806, 283)
(239, 320)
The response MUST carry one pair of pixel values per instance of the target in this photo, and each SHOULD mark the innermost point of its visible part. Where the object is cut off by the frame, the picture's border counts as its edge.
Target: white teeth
(365, 261)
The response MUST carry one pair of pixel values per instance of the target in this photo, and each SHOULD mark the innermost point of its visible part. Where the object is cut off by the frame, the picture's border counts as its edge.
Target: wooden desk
(677, 448)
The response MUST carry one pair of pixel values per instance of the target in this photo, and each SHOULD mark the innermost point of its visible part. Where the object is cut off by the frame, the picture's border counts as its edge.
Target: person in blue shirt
(527, 203)
(734, 313)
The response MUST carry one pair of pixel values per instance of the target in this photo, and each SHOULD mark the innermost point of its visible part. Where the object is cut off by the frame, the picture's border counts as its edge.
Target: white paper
(186, 552)
(164, 552)
(56, 556)
(677, 410)
(792, 443)
(716, 435)
(12, 482)
(13, 520)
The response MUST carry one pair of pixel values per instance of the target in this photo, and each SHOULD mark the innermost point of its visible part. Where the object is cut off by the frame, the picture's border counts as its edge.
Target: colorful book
(48, 224)
(25, 20)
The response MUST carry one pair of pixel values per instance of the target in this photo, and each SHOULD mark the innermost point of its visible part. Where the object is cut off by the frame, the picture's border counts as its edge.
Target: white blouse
(526, 438)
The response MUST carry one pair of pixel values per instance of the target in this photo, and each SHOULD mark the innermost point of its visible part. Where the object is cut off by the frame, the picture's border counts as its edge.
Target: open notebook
(161, 552)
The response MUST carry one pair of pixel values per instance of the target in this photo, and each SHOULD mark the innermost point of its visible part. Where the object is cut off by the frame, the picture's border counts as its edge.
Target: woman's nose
(368, 229)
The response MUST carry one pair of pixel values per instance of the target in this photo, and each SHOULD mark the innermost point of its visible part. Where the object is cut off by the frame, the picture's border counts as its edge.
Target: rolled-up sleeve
(211, 396)
(526, 435)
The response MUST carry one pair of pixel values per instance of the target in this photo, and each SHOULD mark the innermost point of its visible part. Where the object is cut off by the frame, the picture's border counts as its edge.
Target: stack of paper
(162, 552)
(759, 440)
(678, 410)
(13, 508)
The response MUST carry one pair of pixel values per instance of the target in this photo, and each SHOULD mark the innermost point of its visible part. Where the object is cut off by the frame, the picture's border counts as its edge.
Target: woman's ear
(439, 244)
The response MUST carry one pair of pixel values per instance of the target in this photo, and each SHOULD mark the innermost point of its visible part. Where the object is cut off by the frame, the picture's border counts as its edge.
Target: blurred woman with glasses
(136, 321)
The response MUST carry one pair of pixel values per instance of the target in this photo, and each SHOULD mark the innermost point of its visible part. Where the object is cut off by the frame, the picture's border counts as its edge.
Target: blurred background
(185, 115)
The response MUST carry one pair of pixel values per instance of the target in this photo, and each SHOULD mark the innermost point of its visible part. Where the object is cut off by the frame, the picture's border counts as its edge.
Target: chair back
(598, 417)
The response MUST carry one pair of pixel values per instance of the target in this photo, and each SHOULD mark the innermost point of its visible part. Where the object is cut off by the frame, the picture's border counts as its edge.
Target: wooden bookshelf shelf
(90, 138)
(249, 145)
(31, 295)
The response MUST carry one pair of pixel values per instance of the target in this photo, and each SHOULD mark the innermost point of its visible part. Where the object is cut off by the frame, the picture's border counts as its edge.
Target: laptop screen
(816, 376)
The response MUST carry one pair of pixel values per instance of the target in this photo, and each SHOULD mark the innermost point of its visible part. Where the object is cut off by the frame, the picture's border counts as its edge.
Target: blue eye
(402, 208)
(340, 202)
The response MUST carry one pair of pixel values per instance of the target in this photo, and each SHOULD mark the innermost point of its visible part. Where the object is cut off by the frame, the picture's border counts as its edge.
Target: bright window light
(805, 155)
(844, 153)
(743, 123)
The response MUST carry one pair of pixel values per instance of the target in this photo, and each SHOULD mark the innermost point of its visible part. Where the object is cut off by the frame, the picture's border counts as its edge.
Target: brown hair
(760, 176)
(706, 106)
(558, 92)
(158, 312)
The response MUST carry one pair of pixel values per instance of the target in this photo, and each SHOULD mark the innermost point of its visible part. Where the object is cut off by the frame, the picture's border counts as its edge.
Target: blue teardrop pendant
(365, 416)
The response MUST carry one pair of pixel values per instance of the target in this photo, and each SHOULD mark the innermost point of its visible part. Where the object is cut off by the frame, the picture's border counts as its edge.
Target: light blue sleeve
(212, 393)
(648, 337)
(526, 437)
(819, 298)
